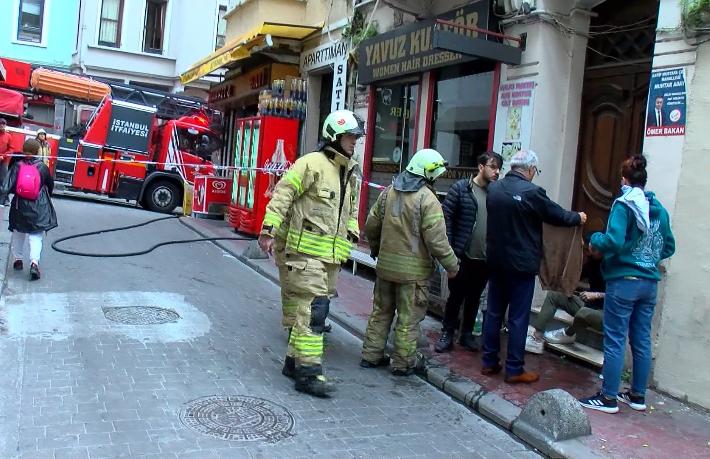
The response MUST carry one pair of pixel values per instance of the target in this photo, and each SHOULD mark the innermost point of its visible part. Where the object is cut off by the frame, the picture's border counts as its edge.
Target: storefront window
(462, 113)
(395, 119)
(396, 107)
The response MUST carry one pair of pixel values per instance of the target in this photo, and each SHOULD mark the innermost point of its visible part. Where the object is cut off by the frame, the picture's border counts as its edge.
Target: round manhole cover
(238, 418)
(141, 315)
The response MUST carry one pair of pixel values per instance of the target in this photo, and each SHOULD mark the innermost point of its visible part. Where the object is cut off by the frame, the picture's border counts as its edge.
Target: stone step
(560, 316)
(587, 348)
(580, 351)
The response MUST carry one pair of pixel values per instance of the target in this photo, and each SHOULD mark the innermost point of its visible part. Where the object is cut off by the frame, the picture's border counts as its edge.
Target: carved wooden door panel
(612, 124)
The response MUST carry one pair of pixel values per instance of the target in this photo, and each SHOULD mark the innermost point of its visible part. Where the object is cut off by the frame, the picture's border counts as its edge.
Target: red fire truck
(139, 144)
(142, 145)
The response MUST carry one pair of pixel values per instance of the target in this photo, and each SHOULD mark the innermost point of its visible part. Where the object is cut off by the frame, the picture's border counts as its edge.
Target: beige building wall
(244, 17)
(555, 61)
(684, 332)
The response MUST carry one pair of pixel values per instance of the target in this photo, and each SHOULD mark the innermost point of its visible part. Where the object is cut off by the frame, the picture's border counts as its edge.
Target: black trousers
(466, 288)
(3, 173)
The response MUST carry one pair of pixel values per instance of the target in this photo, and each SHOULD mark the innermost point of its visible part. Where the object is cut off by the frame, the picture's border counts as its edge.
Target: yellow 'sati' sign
(410, 49)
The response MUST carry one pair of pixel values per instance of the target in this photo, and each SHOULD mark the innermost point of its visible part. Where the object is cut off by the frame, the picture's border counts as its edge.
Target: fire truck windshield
(200, 143)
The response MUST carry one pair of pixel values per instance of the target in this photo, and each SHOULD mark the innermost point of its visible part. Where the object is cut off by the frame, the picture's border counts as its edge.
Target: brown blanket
(562, 258)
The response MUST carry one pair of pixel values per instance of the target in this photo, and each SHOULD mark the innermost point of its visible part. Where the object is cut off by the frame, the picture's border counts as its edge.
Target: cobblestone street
(178, 354)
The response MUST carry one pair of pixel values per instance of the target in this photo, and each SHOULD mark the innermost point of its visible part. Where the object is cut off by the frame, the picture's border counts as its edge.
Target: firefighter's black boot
(383, 362)
(317, 386)
(289, 369)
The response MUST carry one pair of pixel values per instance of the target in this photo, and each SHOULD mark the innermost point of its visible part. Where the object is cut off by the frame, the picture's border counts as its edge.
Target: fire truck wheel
(162, 196)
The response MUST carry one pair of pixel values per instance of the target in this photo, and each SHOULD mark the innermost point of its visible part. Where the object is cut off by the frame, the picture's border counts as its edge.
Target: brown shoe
(525, 377)
(490, 371)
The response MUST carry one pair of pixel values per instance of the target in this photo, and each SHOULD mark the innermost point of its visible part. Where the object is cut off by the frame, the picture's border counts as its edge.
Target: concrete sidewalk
(668, 429)
(5, 237)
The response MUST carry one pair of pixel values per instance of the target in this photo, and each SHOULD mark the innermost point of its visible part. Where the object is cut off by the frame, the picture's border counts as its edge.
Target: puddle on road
(59, 316)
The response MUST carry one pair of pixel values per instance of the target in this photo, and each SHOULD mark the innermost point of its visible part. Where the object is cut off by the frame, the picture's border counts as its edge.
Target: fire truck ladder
(169, 106)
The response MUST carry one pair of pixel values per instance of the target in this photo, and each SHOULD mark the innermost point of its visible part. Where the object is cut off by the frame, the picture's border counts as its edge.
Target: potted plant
(696, 13)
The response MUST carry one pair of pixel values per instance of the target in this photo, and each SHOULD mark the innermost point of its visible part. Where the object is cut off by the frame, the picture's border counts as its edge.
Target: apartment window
(30, 21)
(110, 27)
(221, 27)
(154, 26)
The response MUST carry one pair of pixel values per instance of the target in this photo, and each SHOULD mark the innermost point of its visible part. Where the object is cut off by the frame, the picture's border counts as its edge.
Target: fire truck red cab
(139, 152)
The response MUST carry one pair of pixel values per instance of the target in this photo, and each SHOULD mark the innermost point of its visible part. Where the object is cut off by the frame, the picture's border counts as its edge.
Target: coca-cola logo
(276, 168)
(219, 185)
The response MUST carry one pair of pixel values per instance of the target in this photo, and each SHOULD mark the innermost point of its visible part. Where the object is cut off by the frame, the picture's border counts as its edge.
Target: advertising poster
(514, 118)
(665, 115)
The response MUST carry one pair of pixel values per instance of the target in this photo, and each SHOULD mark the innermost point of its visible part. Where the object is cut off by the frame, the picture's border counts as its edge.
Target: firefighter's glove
(266, 243)
(352, 237)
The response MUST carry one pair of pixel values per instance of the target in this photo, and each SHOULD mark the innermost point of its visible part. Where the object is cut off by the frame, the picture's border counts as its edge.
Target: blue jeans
(513, 291)
(628, 310)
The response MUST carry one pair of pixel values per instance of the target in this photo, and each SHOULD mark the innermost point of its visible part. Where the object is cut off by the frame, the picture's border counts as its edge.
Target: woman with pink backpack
(31, 210)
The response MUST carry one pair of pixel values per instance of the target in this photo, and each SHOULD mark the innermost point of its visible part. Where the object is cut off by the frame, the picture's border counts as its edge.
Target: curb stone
(5, 237)
(497, 409)
(488, 405)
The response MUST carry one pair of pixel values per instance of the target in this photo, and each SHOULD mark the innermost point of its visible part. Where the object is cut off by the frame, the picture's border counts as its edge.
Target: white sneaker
(534, 345)
(559, 337)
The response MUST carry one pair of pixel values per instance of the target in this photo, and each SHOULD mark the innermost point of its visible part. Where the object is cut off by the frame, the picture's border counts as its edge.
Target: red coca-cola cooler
(211, 196)
(264, 148)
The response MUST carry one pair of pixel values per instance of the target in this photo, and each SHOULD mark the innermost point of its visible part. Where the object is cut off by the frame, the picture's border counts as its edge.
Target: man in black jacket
(516, 212)
(465, 215)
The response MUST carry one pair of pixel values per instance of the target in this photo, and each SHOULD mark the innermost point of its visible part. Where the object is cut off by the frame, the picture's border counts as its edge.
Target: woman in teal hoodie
(637, 238)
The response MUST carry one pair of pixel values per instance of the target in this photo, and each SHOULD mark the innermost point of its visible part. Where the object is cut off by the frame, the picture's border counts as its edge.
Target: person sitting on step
(585, 307)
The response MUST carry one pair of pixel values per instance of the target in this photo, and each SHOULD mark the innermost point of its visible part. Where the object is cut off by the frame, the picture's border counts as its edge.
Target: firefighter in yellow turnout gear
(406, 232)
(313, 216)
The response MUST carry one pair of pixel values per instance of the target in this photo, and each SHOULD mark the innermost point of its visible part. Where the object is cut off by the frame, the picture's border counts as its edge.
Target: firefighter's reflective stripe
(306, 345)
(318, 225)
(272, 219)
(294, 179)
(319, 245)
(449, 260)
(429, 220)
(403, 264)
(353, 226)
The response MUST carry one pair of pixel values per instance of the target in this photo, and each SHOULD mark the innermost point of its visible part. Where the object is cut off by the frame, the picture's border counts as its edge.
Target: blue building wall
(59, 30)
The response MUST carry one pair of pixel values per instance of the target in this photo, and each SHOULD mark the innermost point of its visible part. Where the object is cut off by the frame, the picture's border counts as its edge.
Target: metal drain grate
(238, 418)
(141, 315)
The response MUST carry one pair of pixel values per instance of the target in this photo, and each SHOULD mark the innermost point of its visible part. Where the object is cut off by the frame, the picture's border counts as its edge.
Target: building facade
(148, 42)
(597, 82)
(584, 83)
(36, 31)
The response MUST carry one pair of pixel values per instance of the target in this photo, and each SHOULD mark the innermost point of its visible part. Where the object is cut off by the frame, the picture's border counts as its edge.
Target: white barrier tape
(271, 170)
(278, 170)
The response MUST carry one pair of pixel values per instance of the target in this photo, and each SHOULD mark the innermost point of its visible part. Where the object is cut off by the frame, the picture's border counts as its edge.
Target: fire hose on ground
(140, 252)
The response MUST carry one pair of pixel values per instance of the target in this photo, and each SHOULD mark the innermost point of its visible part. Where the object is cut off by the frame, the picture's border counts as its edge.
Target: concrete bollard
(551, 416)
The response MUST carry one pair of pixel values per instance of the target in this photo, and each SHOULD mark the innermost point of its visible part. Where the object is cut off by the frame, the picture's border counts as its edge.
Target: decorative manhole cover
(141, 315)
(238, 418)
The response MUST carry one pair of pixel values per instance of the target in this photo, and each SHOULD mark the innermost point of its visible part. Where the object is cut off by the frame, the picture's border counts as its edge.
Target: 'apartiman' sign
(323, 55)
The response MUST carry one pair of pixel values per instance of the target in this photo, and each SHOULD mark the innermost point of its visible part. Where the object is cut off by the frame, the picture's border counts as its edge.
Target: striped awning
(241, 47)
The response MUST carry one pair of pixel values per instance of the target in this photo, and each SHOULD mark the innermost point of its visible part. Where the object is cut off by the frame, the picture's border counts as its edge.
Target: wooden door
(612, 127)
(613, 102)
